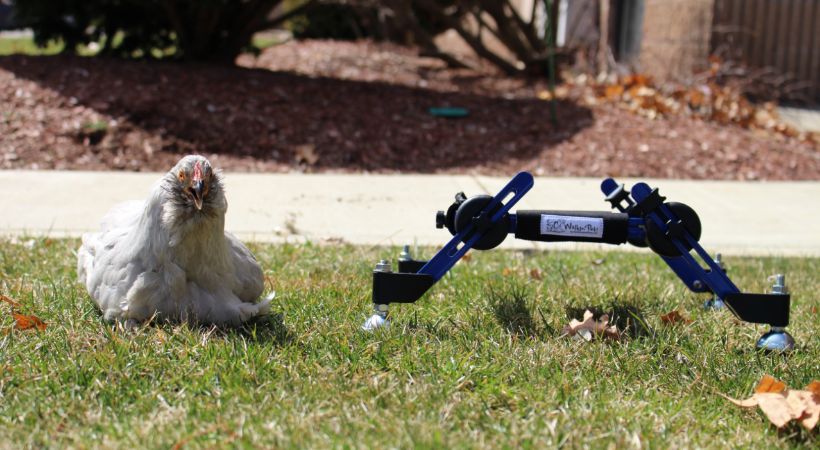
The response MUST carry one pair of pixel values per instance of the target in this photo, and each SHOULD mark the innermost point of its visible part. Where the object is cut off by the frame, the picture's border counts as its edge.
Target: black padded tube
(575, 226)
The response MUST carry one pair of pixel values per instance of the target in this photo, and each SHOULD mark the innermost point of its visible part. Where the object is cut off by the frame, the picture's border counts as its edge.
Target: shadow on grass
(513, 312)
(269, 329)
(796, 434)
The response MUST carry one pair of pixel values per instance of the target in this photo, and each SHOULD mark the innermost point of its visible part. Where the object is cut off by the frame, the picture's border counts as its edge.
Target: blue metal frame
(685, 266)
(643, 206)
(449, 255)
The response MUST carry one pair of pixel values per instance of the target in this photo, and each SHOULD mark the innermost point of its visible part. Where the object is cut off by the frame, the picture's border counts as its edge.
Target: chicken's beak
(196, 190)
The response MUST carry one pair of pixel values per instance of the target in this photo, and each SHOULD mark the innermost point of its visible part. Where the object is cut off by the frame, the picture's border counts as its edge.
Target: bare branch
(528, 29)
(472, 40)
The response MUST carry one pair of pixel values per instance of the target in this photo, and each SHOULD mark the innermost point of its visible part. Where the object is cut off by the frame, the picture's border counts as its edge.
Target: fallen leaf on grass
(535, 274)
(589, 328)
(782, 405)
(770, 385)
(25, 322)
(674, 317)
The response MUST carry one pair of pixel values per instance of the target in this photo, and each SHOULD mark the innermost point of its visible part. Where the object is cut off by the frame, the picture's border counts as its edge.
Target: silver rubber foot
(378, 320)
(714, 304)
(776, 340)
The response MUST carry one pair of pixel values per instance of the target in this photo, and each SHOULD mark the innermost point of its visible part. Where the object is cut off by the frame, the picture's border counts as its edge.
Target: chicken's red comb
(197, 172)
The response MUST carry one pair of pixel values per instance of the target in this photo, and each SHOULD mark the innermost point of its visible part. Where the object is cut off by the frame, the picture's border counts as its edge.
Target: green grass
(264, 40)
(477, 363)
(26, 46)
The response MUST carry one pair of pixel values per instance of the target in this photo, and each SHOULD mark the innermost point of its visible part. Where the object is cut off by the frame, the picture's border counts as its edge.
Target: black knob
(441, 218)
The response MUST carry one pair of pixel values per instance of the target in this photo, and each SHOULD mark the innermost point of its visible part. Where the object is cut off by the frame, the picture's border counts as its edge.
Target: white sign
(589, 227)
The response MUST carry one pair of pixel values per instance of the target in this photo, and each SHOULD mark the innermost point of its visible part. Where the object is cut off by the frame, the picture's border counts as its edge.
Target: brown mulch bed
(352, 107)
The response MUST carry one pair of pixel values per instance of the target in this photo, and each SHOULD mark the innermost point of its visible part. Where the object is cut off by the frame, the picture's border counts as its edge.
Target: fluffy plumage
(170, 256)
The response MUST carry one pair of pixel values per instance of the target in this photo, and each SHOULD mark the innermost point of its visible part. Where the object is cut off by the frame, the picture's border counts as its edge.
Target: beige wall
(676, 34)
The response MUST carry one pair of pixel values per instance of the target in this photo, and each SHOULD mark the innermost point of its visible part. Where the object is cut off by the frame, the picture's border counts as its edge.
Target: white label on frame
(589, 227)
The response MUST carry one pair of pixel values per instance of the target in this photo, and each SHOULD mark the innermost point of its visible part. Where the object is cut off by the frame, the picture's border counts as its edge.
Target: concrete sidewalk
(777, 218)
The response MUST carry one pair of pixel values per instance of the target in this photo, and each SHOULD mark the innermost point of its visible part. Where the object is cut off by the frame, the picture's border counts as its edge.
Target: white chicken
(170, 256)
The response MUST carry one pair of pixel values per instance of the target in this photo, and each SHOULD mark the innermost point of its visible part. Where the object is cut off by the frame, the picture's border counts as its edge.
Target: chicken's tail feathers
(85, 256)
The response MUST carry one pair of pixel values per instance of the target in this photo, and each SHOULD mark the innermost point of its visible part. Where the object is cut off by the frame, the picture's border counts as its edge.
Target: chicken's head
(194, 185)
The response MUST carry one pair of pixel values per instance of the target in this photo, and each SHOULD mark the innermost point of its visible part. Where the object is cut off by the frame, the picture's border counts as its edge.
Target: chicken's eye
(181, 175)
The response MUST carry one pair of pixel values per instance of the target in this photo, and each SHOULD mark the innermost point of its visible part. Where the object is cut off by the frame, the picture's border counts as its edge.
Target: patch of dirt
(324, 106)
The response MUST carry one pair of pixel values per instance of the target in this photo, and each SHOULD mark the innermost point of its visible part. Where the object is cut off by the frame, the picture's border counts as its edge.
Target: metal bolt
(777, 339)
(383, 266)
(719, 261)
(779, 284)
(405, 254)
(697, 284)
(381, 311)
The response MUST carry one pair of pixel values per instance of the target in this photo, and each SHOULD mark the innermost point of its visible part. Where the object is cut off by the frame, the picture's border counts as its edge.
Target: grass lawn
(477, 363)
(26, 46)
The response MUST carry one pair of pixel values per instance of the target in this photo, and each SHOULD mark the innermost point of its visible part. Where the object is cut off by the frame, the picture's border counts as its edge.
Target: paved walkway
(779, 218)
(801, 118)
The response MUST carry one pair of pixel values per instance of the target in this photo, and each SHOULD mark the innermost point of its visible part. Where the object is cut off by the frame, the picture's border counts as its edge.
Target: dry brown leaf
(613, 91)
(22, 321)
(777, 408)
(25, 322)
(589, 328)
(674, 317)
(507, 272)
(696, 98)
(535, 274)
(782, 405)
(769, 384)
(636, 79)
(811, 407)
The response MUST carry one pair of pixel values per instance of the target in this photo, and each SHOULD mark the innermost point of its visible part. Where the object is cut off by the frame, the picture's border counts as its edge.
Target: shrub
(190, 29)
